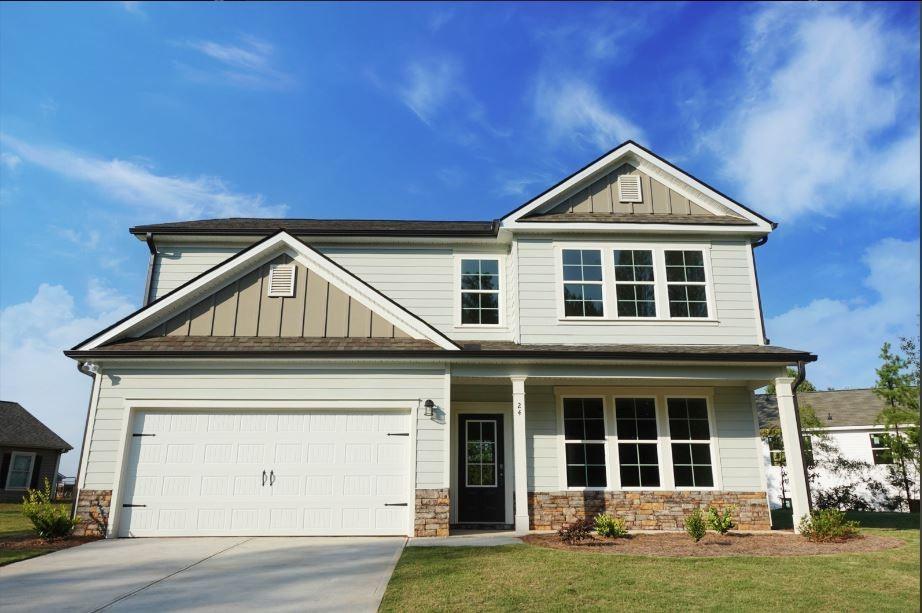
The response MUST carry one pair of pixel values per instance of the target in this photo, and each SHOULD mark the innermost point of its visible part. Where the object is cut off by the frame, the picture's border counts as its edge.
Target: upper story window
(638, 450)
(686, 283)
(635, 290)
(480, 289)
(881, 449)
(584, 433)
(582, 283)
(691, 442)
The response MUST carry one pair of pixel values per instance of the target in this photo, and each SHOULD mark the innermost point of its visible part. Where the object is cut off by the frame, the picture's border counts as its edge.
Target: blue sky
(125, 113)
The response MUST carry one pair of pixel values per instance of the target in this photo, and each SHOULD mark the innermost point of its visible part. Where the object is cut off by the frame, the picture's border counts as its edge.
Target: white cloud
(572, 109)
(847, 336)
(35, 373)
(247, 63)
(10, 160)
(829, 117)
(134, 8)
(88, 240)
(157, 195)
(429, 86)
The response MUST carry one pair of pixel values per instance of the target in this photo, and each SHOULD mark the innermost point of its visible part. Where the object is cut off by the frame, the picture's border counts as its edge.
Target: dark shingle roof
(834, 408)
(19, 428)
(231, 346)
(640, 218)
(250, 226)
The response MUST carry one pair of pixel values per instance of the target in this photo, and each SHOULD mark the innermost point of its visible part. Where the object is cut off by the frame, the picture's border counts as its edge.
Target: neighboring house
(29, 452)
(595, 348)
(849, 419)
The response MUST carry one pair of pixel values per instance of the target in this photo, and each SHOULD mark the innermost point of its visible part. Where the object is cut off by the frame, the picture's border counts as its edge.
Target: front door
(481, 480)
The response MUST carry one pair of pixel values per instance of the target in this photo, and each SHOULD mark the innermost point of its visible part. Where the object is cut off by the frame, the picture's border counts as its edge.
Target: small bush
(828, 525)
(578, 531)
(695, 525)
(606, 525)
(721, 522)
(49, 521)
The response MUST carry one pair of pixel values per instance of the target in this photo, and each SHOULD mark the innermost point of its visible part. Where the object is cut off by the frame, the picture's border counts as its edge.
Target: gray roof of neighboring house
(834, 408)
(19, 428)
(251, 226)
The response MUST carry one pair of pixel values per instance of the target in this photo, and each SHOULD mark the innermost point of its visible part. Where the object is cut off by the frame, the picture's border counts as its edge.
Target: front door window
(481, 453)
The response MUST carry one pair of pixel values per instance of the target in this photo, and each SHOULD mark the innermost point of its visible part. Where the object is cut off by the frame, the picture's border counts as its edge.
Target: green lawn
(12, 526)
(535, 578)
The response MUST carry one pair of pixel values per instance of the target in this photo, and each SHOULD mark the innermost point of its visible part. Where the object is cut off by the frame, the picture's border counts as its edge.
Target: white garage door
(253, 473)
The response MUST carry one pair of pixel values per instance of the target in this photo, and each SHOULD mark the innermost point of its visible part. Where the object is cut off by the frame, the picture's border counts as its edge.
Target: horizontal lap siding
(179, 264)
(738, 439)
(242, 384)
(739, 322)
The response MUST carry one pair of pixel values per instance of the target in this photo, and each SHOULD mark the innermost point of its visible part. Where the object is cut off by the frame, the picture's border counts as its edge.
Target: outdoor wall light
(429, 405)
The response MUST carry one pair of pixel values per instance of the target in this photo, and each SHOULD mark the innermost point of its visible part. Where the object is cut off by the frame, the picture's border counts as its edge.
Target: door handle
(264, 478)
(271, 478)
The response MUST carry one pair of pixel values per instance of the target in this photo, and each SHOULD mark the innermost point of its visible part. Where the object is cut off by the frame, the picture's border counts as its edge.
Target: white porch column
(790, 435)
(519, 453)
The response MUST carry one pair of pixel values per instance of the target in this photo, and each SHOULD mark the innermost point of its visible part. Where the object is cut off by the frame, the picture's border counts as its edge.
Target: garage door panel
(326, 473)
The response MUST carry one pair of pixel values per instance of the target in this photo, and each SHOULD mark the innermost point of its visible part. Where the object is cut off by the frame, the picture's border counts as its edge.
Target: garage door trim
(134, 405)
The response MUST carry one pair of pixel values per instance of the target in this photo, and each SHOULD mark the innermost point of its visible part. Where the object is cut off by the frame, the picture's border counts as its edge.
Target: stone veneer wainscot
(93, 511)
(432, 508)
(645, 510)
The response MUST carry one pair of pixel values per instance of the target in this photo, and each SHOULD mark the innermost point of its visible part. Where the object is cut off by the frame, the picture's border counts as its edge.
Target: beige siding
(359, 384)
(738, 439)
(177, 264)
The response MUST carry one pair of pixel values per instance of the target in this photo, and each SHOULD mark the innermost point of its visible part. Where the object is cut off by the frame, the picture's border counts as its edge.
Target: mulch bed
(32, 542)
(678, 544)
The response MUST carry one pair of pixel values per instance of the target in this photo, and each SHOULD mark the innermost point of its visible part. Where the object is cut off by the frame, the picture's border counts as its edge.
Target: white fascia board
(272, 247)
(526, 227)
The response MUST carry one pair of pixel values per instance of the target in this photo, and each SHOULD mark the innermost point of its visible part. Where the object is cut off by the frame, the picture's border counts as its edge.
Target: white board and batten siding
(120, 387)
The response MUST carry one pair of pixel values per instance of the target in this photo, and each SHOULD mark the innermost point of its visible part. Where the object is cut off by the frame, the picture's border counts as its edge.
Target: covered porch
(536, 446)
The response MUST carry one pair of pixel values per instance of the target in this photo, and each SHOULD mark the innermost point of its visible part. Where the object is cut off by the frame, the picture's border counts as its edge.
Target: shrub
(578, 531)
(828, 525)
(606, 525)
(49, 521)
(695, 525)
(721, 522)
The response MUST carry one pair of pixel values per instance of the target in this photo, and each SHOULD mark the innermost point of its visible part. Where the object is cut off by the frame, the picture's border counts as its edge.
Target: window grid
(582, 283)
(635, 285)
(584, 433)
(480, 460)
(686, 284)
(480, 291)
(881, 449)
(20, 471)
(635, 421)
(689, 431)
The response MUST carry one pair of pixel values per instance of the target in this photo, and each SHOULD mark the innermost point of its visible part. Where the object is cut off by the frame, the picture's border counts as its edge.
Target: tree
(898, 386)
(806, 386)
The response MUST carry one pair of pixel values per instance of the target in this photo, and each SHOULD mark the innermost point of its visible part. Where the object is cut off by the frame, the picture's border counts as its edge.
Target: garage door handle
(395, 504)
(264, 478)
(271, 478)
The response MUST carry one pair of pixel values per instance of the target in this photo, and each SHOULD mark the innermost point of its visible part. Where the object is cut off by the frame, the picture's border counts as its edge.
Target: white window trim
(661, 291)
(653, 284)
(661, 440)
(495, 453)
(501, 294)
(562, 442)
(613, 467)
(889, 448)
(9, 472)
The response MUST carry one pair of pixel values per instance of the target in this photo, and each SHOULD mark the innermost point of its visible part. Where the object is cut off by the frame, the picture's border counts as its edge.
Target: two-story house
(594, 349)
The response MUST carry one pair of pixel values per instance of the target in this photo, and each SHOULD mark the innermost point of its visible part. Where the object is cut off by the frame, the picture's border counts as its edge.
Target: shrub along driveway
(16, 539)
(537, 578)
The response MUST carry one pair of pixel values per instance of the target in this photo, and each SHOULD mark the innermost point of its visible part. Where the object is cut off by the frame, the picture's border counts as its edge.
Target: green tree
(806, 386)
(898, 386)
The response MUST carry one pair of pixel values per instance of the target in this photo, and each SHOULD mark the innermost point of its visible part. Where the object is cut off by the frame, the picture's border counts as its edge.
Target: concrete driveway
(198, 574)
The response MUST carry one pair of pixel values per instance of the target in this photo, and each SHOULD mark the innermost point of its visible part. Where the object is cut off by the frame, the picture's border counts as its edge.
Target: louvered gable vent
(629, 188)
(282, 281)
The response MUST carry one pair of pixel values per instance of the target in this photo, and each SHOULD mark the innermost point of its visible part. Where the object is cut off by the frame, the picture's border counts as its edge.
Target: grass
(13, 526)
(523, 577)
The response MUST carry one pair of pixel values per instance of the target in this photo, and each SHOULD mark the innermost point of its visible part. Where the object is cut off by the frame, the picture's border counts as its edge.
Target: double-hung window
(686, 284)
(635, 291)
(20, 472)
(582, 283)
(479, 291)
(584, 434)
(776, 449)
(881, 449)
(638, 456)
(691, 442)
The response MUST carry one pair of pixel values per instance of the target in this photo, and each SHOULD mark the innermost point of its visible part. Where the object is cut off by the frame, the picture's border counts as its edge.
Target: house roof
(251, 226)
(834, 408)
(276, 347)
(19, 428)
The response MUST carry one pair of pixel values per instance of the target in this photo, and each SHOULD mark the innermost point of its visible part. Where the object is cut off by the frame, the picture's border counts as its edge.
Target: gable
(232, 299)
(245, 308)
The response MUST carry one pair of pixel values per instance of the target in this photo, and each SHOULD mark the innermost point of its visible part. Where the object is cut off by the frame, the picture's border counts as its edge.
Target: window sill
(480, 327)
(639, 321)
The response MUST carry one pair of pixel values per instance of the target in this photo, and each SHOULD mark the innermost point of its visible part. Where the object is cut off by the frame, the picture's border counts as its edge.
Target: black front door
(481, 481)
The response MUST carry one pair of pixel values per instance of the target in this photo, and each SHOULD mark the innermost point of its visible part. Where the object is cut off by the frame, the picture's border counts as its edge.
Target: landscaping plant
(50, 521)
(828, 525)
(576, 532)
(606, 525)
(695, 525)
(721, 522)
